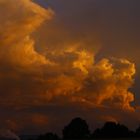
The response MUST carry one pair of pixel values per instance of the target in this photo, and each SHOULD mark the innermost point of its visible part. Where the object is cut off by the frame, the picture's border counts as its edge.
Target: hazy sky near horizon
(66, 58)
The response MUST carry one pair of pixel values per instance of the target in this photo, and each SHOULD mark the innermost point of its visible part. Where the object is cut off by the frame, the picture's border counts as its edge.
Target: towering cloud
(59, 77)
(18, 21)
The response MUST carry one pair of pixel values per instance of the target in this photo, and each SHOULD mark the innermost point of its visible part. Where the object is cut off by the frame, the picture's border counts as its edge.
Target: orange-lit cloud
(59, 77)
(17, 45)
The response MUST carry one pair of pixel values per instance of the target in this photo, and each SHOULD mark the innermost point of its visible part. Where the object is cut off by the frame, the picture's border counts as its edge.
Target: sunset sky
(61, 59)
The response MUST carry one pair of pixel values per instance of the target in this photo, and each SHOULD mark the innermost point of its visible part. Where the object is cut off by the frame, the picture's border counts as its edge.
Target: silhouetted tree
(112, 130)
(96, 133)
(137, 133)
(123, 131)
(48, 136)
(76, 129)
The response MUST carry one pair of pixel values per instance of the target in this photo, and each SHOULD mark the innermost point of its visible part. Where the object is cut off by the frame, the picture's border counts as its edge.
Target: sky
(64, 59)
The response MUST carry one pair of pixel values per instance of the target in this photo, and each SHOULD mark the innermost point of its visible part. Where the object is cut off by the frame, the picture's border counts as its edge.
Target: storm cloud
(60, 76)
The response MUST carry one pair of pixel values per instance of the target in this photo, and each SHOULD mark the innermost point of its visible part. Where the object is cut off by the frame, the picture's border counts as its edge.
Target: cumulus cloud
(60, 77)
(17, 46)
(109, 81)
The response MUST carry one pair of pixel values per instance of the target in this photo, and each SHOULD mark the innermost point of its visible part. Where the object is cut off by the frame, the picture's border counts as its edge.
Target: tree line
(79, 129)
